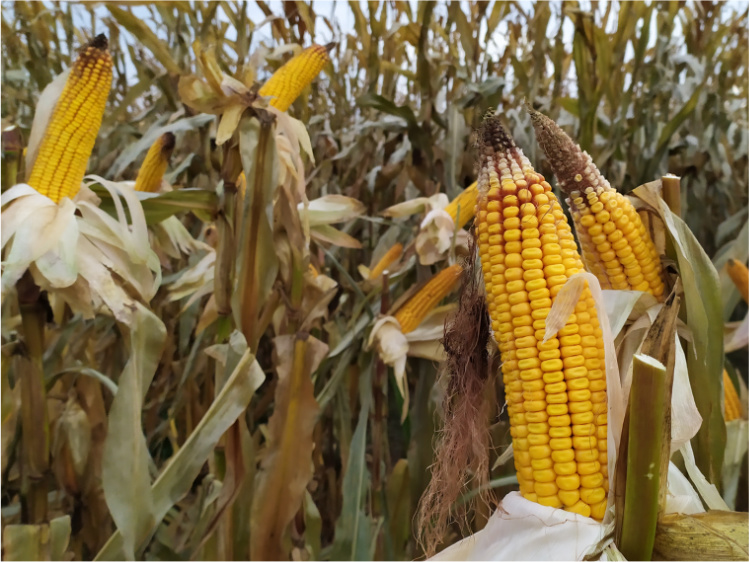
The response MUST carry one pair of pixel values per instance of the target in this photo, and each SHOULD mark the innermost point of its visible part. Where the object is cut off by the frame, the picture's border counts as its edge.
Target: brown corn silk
(555, 390)
(462, 447)
(616, 246)
(69, 138)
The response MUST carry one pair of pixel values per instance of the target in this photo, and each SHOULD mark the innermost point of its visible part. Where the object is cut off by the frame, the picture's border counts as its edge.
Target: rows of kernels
(528, 252)
(415, 309)
(69, 139)
(578, 209)
(462, 208)
(155, 164)
(615, 237)
(288, 82)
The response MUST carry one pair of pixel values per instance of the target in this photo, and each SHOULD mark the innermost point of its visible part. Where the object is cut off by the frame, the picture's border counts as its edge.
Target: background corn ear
(463, 208)
(555, 390)
(154, 165)
(415, 309)
(739, 274)
(69, 139)
(732, 401)
(386, 261)
(616, 246)
(287, 82)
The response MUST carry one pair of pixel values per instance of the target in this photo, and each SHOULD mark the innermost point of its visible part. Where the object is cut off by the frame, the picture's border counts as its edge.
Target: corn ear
(388, 259)
(463, 208)
(288, 82)
(616, 246)
(69, 139)
(154, 165)
(732, 401)
(555, 390)
(415, 309)
(739, 274)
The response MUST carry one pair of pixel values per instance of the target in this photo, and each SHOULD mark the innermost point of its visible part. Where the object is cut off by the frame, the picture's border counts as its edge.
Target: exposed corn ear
(555, 391)
(732, 402)
(616, 246)
(415, 309)
(385, 261)
(69, 139)
(287, 82)
(739, 274)
(463, 208)
(155, 163)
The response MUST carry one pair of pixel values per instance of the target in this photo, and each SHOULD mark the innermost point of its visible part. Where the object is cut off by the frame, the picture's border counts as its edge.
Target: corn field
(375, 280)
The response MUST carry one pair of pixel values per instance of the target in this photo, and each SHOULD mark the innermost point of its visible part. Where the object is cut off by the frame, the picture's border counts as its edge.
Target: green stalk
(644, 453)
(34, 423)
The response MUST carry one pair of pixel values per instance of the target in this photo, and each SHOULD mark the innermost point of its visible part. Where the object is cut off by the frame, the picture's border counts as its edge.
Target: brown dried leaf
(715, 535)
(287, 467)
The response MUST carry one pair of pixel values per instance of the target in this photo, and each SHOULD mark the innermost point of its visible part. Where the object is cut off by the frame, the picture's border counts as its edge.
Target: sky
(341, 13)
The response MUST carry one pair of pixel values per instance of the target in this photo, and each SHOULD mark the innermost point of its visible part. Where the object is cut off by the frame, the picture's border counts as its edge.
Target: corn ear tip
(168, 140)
(99, 42)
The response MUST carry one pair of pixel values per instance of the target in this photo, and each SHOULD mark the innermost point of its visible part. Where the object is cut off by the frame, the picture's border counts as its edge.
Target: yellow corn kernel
(155, 163)
(69, 138)
(288, 82)
(410, 315)
(391, 256)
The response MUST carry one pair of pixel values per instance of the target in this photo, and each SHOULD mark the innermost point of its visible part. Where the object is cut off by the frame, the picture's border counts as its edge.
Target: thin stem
(643, 473)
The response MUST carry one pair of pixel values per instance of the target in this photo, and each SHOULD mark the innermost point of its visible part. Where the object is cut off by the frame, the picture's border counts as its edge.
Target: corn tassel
(463, 208)
(616, 246)
(739, 274)
(415, 309)
(69, 139)
(287, 82)
(555, 391)
(732, 401)
(386, 261)
(155, 163)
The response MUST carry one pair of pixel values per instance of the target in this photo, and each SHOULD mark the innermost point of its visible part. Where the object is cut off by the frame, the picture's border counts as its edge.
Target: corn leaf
(705, 320)
(178, 476)
(287, 467)
(47, 541)
(126, 457)
(354, 534)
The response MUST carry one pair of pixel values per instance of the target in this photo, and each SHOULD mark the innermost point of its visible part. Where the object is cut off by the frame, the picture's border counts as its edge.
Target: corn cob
(415, 309)
(155, 163)
(287, 82)
(385, 261)
(555, 391)
(616, 246)
(69, 139)
(739, 274)
(465, 204)
(732, 402)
